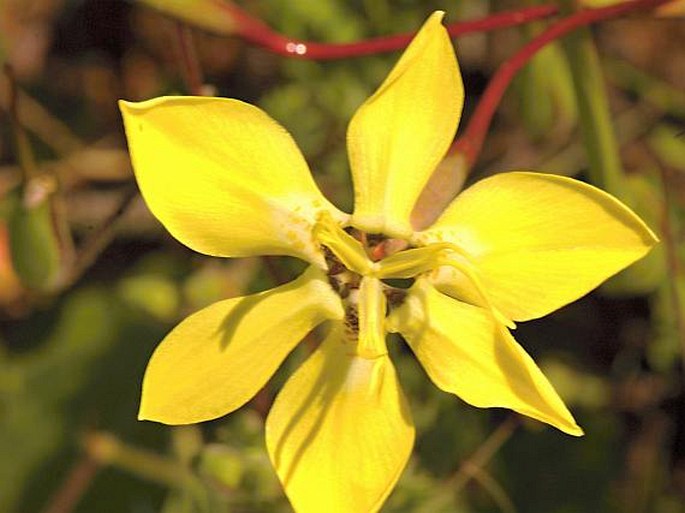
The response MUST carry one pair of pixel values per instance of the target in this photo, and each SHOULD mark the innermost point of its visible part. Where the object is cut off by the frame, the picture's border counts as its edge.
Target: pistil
(372, 311)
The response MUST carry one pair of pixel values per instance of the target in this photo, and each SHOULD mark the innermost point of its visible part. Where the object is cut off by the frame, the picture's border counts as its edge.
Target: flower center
(359, 265)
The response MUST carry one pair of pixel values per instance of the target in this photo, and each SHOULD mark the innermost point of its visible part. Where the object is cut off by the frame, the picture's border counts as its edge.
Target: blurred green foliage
(72, 359)
(32, 241)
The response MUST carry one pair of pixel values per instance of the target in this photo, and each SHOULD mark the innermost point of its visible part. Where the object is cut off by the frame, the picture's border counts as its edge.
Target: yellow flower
(226, 180)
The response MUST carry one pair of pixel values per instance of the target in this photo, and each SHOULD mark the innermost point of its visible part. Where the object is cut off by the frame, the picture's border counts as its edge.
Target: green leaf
(34, 244)
(36, 389)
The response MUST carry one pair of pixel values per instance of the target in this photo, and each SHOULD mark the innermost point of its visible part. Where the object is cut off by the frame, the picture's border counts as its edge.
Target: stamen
(346, 248)
(409, 263)
(412, 262)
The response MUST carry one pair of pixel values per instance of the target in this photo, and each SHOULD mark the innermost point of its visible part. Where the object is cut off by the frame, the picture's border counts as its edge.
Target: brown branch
(74, 486)
(95, 245)
(494, 489)
(484, 453)
(190, 65)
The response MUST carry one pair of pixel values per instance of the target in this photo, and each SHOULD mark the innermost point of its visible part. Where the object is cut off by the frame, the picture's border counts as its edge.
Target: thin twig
(190, 65)
(494, 489)
(257, 32)
(107, 449)
(672, 260)
(595, 120)
(471, 141)
(484, 453)
(27, 162)
(470, 467)
(35, 118)
(76, 483)
(97, 242)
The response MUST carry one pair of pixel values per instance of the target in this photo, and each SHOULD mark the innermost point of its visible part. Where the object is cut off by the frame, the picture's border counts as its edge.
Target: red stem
(75, 485)
(190, 66)
(257, 32)
(471, 141)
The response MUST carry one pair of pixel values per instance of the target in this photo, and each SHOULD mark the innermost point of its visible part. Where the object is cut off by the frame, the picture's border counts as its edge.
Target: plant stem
(485, 452)
(494, 489)
(190, 66)
(25, 156)
(106, 449)
(77, 482)
(471, 141)
(257, 32)
(597, 130)
(471, 466)
(98, 241)
(36, 119)
(670, 240)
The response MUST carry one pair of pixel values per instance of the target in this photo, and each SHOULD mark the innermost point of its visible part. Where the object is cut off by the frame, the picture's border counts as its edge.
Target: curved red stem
(471, 141)
(257, 32)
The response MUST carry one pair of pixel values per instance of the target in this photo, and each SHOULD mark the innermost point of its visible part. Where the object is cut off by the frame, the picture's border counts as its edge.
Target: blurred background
(90, 282)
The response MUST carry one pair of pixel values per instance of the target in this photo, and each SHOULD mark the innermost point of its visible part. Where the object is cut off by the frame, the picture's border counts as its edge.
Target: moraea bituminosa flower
(226, 180)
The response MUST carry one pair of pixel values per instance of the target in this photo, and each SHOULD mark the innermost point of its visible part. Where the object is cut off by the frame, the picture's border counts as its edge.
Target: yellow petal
(223, 177)
(537, 241)
(415, 261)
(464, 352)
(340, 433)
(400, 134)
(218, 358)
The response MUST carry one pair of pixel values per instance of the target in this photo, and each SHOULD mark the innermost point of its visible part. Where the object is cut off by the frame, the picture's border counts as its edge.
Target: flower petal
(464, 352)
(223, 177)
(399, 135)
(340, 433)
(218, 358)
(537, 241)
